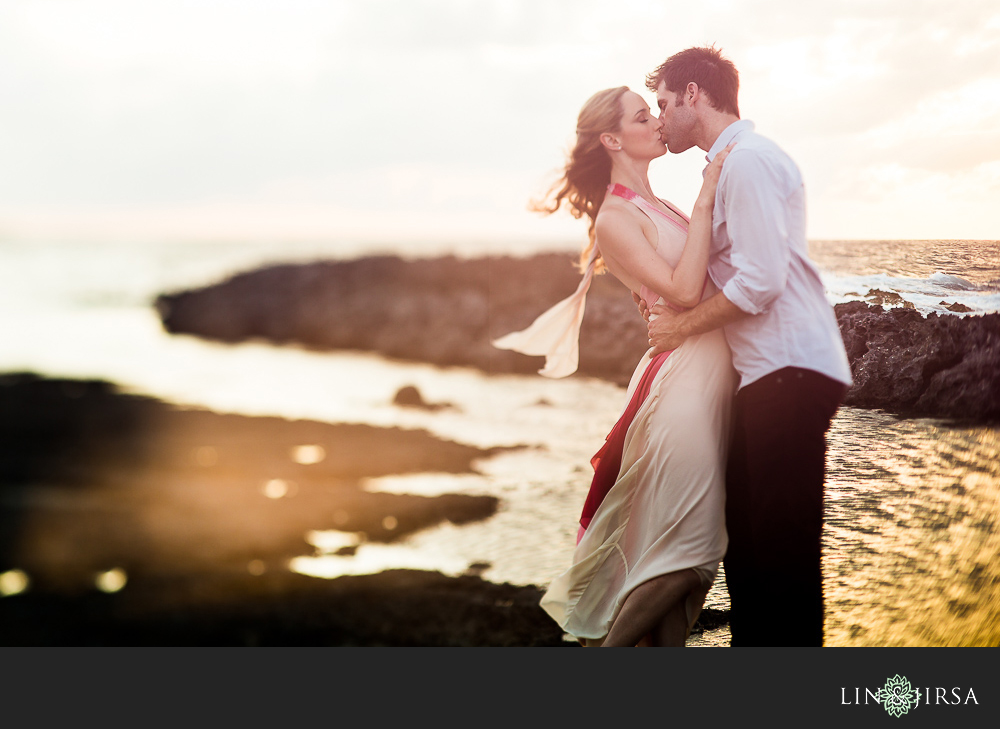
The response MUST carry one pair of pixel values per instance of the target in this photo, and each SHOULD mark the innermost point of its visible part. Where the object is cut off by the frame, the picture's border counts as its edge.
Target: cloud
(172, 105)
(890, 201)
(864, 71)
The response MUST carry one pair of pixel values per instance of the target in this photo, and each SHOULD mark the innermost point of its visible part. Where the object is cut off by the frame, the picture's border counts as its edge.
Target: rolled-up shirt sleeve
(755, 190)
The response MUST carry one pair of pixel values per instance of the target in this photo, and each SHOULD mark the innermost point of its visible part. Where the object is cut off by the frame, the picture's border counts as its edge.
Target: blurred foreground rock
(397, 608)
(125, 521)
(192, 517)
(446, 311)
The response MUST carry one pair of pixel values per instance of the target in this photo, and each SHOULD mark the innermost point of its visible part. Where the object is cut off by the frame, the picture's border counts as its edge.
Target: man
(786, 346)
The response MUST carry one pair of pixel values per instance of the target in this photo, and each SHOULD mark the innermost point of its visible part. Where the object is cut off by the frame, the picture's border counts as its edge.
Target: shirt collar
(728, 135)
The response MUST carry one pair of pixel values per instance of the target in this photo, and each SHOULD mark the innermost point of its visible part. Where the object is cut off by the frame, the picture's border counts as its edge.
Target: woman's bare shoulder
(616, 213)
(619, 220)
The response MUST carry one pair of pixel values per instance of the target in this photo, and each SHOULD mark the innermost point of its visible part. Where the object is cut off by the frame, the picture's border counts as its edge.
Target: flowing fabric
(556, 333)
(608, 461)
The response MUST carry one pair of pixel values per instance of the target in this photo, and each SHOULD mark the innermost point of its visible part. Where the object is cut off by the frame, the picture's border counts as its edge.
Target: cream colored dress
(665, 511)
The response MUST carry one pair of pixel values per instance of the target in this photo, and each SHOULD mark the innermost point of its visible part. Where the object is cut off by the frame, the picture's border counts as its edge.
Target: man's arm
(668, 328)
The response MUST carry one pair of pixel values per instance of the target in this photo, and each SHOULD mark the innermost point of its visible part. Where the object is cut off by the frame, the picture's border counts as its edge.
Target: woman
(652, 531)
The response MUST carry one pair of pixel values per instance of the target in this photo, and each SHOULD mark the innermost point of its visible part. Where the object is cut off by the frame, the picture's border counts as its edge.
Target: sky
(422, 123)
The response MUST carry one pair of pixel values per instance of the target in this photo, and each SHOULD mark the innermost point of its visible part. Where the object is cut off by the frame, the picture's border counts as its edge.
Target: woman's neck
(634, 176)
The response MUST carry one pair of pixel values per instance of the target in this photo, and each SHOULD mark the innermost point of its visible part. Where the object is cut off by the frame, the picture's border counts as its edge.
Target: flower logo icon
(898, 696)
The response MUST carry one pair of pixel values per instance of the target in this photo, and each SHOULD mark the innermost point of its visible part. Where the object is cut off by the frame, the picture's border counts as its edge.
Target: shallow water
(912, 532)
(910, 538)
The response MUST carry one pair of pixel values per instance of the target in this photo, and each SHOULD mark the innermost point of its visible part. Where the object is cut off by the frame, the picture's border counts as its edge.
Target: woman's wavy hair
(587, 173)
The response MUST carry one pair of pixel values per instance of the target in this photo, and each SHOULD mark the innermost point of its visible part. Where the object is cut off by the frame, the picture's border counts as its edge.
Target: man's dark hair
(715, 75)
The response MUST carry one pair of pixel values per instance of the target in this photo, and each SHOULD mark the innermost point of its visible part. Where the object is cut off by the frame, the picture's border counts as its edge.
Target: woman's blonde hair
(587, 173)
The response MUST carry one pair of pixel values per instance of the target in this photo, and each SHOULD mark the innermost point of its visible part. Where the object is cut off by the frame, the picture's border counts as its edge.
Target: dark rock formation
(446, 311)
(409, 396)
(396, 608)
(938, 366)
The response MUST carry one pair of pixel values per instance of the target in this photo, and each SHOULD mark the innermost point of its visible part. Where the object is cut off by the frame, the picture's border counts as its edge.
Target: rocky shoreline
(126, 521)
(446, 311)
(129, 521)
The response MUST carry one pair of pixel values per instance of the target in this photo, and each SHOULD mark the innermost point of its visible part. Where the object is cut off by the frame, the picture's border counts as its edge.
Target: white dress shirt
(759, 260)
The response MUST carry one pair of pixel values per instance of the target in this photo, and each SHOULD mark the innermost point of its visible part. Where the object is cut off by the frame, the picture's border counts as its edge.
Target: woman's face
(640, 130)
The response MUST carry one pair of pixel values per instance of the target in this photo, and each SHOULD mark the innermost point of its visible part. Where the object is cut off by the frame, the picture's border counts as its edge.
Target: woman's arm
(620, 237)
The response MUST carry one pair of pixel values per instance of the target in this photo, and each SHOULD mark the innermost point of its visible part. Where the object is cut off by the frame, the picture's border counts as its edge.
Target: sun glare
(13, 582)
(276, 488)
(112, 580)
(308, 454)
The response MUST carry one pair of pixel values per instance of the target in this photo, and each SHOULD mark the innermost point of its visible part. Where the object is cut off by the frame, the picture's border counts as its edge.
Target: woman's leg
(672, 632)
(655, 608)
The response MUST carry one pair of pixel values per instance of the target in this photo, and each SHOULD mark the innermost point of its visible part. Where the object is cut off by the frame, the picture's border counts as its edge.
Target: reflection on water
(111, 580)
(13, 582)
(975, 260)
(912, 533)
(345, 553)
(529, 540)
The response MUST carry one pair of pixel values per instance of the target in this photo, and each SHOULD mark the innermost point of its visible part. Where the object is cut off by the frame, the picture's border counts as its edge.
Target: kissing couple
(719, 454)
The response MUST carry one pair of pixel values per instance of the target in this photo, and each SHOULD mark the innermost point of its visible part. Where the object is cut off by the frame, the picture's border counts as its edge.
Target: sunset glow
(424, 123)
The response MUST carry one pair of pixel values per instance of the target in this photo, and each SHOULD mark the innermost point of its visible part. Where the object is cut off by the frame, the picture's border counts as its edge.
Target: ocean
(913, 509)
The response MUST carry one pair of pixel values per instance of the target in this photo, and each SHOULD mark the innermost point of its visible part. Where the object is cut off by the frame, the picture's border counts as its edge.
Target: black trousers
(774, 507)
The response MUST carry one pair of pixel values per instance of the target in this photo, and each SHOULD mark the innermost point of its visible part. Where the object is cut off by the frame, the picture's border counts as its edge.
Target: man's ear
(610, 142)
(692, 93)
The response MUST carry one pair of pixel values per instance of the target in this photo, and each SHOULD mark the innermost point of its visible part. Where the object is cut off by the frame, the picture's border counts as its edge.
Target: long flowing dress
(657, 501)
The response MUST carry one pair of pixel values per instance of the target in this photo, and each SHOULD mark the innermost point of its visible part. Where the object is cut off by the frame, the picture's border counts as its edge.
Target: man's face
(679, 121)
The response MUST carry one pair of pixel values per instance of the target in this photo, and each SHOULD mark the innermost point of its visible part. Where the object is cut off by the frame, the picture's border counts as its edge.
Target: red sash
(607, 462)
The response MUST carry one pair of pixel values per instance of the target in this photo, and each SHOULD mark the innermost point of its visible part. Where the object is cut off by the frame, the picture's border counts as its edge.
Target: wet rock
(877, 296)
(410, 397)
(395, 608)
(476, 569)
(956, 307)
(938, 366)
